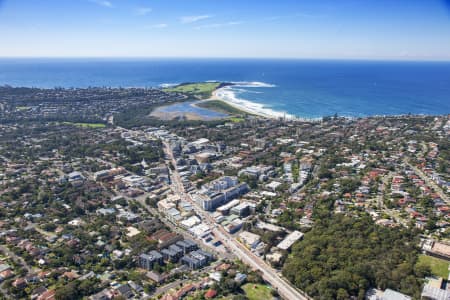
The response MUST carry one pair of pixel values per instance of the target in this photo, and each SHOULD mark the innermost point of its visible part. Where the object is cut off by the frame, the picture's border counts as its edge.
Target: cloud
(104, 3)
(193, 19)
(159, 26)
(143, 11)
(219, 25)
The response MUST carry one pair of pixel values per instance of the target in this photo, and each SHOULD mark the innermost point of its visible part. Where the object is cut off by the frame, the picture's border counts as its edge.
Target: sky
(321, 29)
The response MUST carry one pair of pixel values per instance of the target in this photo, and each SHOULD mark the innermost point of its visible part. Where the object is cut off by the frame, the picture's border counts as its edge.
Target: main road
(284, 288)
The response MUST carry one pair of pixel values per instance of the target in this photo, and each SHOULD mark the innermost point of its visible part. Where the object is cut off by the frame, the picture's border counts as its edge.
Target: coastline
(216, 96)
(227, 95)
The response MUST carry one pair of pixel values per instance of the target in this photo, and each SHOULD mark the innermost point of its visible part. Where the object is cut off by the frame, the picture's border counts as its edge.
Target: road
(429, 182)
(165, 288)
(173, 227)
(381, 190)
(181, 231)
(284, 288)
(17, 259)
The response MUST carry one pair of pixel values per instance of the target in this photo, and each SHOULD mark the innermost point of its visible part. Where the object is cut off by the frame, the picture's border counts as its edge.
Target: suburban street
(286, 290)
(429, 182)
(16, 258)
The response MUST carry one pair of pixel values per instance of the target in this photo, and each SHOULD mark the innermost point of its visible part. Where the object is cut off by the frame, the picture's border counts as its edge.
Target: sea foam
(253, 84)
(168, 85)
(230, 94)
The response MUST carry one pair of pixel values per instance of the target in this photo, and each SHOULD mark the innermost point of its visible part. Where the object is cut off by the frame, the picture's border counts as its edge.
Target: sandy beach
(227, 95)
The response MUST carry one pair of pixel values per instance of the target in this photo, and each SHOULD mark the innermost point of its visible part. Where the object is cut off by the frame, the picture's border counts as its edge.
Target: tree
(354, 254)
(342, 294)
(87, 287)
(67, 292)
(149, 288)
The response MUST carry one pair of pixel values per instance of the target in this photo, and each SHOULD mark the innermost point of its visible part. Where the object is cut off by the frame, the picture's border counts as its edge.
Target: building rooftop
(393, 295)
(290, 240)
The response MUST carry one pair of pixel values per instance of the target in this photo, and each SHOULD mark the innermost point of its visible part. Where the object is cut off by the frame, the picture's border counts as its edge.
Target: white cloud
(193, 19)
(159, 26)
(143, 11)
(104, 3)
(219, 25)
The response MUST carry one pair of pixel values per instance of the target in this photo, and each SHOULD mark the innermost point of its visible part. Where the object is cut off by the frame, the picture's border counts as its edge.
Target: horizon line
(368, 59)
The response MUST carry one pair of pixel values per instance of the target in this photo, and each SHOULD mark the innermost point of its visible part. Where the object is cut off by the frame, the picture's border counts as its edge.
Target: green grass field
(439, 267)
(236, 120)
(201, 90)
(22, 108)
(257, 291)
(220, 106)
(86, 125)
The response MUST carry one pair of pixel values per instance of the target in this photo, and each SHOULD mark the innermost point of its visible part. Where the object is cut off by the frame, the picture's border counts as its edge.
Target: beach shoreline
(216, 96)
(227, 95)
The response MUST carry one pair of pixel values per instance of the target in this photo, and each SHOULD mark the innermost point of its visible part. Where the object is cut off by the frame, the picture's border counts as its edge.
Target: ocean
(303, 88)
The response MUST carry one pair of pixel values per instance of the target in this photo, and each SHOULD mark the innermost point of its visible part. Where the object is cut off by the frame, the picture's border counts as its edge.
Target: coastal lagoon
(303, 88)
(186, 110)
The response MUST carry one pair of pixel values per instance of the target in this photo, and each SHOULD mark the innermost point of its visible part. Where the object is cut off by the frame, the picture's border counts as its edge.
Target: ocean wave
(240, 91)
(168, 85)
(253, 84)
(228, 94)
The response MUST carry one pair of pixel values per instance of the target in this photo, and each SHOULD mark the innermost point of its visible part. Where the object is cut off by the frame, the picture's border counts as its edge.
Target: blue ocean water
(305, 88)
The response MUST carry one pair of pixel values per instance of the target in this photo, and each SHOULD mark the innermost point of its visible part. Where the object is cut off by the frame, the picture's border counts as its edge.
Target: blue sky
(345, 29)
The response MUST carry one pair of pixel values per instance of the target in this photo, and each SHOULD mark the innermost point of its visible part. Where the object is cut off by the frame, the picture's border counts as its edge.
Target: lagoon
(187, 110)
(303, 88)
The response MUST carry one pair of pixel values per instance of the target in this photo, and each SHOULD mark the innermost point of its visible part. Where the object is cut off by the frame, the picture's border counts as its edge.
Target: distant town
(101, 200)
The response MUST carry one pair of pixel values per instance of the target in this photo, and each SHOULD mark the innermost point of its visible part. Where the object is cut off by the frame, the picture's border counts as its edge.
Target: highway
(284, 288)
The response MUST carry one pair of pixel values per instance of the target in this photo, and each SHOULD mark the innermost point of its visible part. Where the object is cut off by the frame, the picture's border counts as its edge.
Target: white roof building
(228, 206)
(201, 230)
(290, 240)
(251, 240)
(273, 185)
(133, 180)
(200, 142)
(393, 295)
(190, 222)
(217, 276)
(132, 231)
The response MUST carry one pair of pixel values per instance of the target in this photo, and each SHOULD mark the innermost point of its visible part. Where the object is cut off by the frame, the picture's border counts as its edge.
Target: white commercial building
(190, 222)
(251, 240)
(200, 231)
(290, 240)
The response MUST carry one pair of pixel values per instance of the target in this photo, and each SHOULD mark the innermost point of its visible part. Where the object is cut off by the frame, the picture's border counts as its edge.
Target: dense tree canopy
(343, 256)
